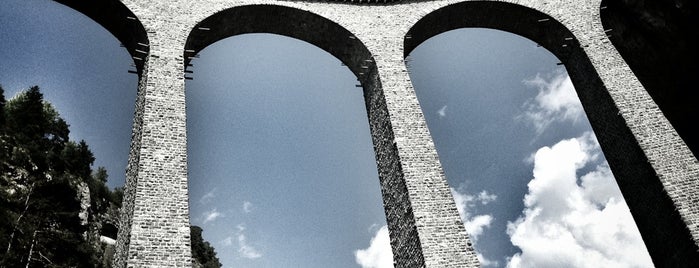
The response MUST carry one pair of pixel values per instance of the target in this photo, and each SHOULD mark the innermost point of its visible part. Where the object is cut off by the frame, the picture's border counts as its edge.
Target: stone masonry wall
(657, 173)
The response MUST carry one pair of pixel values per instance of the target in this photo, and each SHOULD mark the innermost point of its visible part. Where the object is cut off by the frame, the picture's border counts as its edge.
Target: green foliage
(36, 134)
(117, 196)
(44, 177)
(203, 254)
(100, 196)
(43, 180)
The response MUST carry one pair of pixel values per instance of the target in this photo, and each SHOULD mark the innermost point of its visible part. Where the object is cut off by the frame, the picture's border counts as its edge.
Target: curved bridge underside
(655, 169)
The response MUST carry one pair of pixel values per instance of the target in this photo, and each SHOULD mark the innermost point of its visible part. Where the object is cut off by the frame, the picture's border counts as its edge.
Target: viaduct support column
(154, 226)
(424, 224)
(656, 172)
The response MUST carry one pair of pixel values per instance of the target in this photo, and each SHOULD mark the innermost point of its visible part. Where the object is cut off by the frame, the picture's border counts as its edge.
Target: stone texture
(656, 171)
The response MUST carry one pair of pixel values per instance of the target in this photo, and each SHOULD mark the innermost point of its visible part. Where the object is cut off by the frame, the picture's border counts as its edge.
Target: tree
(53, 207)
(42, 173)
(4, 194)
(100, 196)
(203, 254)
(2, 109)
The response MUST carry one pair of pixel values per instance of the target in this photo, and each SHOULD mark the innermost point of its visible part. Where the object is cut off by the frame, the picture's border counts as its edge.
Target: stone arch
(657, 39)
(349, 49)
(116, 18)
(286, 21)
(664, 232)
(121, 22)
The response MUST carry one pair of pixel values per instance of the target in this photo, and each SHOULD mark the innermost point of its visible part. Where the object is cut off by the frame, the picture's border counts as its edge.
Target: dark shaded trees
(203, 254)
(54, 209)
(44, 184)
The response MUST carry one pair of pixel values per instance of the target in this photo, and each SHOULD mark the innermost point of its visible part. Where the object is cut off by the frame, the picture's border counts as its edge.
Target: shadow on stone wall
(658, 40)
(665, 234)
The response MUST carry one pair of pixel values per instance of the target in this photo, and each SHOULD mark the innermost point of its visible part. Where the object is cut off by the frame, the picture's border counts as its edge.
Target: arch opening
(121, 22)
(61, 47)
(505, 120)
(639, 184)
(300, 123)
(291, 22)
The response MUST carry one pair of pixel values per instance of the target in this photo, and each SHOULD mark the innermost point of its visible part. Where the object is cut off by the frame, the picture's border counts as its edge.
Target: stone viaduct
(641, 125)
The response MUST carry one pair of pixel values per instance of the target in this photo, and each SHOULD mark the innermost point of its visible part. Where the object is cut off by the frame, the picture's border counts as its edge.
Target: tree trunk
(19, 219)
(31, 249)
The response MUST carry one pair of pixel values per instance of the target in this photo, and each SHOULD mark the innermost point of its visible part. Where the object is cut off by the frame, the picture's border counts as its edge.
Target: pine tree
(44, 177)
(41, 174)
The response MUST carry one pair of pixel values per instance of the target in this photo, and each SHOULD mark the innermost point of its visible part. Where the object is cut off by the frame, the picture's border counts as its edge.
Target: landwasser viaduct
(630, 62)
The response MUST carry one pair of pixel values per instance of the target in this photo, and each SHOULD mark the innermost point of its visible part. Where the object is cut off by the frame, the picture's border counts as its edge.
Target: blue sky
(281, 165)
(297, 151)
(79, 67)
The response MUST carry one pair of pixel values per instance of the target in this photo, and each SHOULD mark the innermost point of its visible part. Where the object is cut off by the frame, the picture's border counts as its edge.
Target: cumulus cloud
(247, 207)
(556, 101)
(244, 248)
(442, 112)
(211, 215)
(575, 222)
(475, 224)
(486, 262)
(378, 254)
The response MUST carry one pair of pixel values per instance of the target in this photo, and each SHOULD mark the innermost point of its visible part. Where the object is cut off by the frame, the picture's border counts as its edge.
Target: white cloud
(373, 228)
(378, 254)
(227, 242)
(247, 207)
(475, 225)
(486, 198)
(556, 101)
(211, 215)
(486, 262)
(442, 112)
(208, 196)
(575, 222)
(246, 250)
